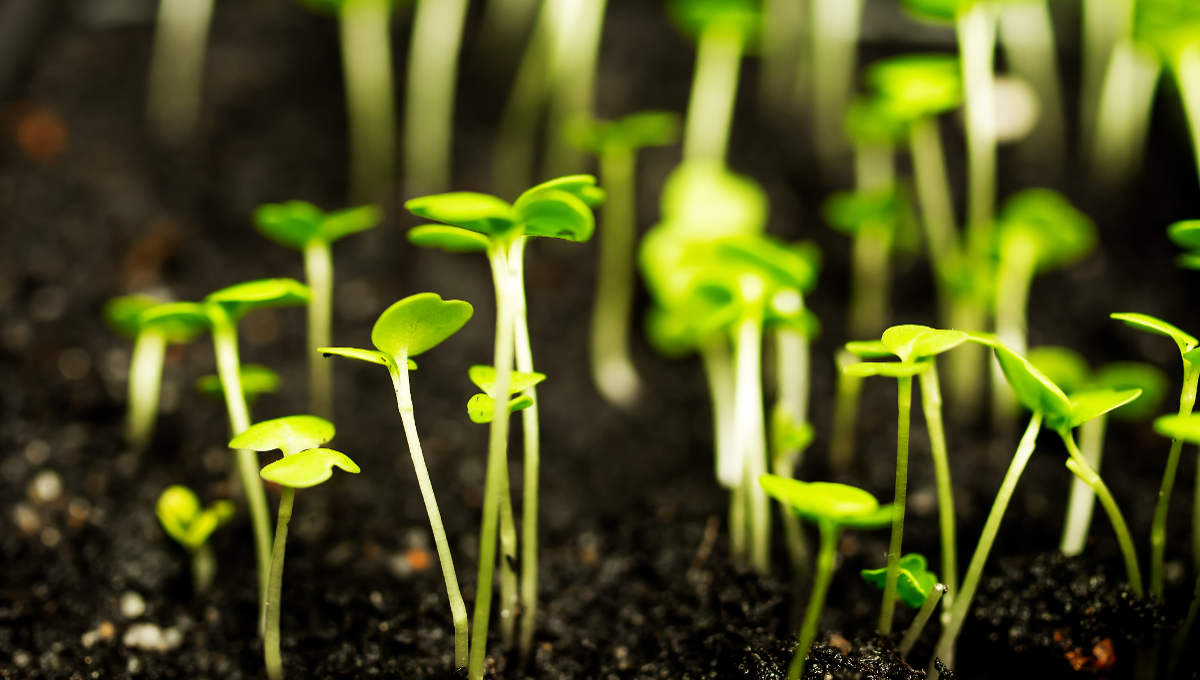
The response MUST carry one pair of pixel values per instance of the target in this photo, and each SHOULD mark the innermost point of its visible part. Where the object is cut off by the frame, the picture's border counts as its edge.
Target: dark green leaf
(937, 11)
(1185, 233)
(307, 468)
(292, 224)
(476, 212)
(874, 120)
(694, 16)
(450, 239)
(418, 323)
(852, 211)
(291, 434)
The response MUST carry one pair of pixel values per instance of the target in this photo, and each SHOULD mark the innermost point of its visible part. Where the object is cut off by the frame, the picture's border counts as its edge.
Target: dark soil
(632, 584)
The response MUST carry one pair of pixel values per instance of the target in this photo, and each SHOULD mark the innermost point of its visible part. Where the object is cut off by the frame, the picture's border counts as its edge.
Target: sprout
(304, 227)
(616, 144)
(1172, 29)
(482, 407)
(560, 208)
(1182, 427)
(917, 587)
(177, 69)
(154, 324)
(833, 508)
(183, 519)
(410, 327)
(1187, 235)
(303, 465)
(256, 380)
(835, 33)
(871, 217)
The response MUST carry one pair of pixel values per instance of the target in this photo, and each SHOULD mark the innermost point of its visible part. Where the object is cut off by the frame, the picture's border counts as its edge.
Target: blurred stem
(751, 431)
(845, 413)
(931, 405)
(869, 285)
(977, 43)
(318, 270)
(933, 192)
(145, 386)
(1081, 499)
(826, 560)
(835, 30)
(1105, 23)
(432, 77)
(714, 91)
(272, 657)
(965, 385)
(1027, 34)
(512, 157)
(791, 405)
(784, 39)
(177, 69)
(1123, 115)
(204, 568)
(1018, 262)
(1187, 72)
(370, 99)
(1158, 529)
(578, 25)
(903, 421)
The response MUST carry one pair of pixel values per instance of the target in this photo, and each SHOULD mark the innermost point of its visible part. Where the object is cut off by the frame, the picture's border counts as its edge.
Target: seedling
(917, 347)
(410, 327)
(482, 406)
(177, 69)
(304, 227)
(833, 508)
(1187, 235)
(1187, 345)
(181, 516)
(560, 208)
(224, 309)
(616, 145)
(871, 217)
(303, 465)
(1182, 427)
(917, 587)
(154, 324)
(256, 380)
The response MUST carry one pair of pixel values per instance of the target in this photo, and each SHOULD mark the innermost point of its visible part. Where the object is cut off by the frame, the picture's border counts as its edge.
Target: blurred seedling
(471, 222)
(836, 25)
(917, 348)
(871, 217)
(410, 327)
(1186, 234)
(1182, 427)
(437, 30)
(833, 508)
(256, 380)
(917, 587)
(1171, 29)
(305, 227)
(177, 69)
(182, 517)
(482, 407)
(153, 324)
(616, 144)
(303, 465)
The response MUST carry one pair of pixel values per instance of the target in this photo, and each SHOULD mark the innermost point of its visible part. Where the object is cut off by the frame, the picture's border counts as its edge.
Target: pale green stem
(1158, 529)
(958, 612)
(914, 630)
(903, 421)
(318, 270)
(1081, 499)
(458, 610)
(1123, 116)
(272, 657)
(835, 30)
(1080, 467)
(1018, 258)
(1027, 34)
(931, 404)
(613, 371)
(967, 362)
(718, 367)
(513, 154)
(792, 367)
(429, 107)
(784, 38)
(145, 386)
(1105, 22)
(714, 91)
(1187, 73)
(370, 98)
(531, 431)
(204, 567)
(869, 282)
(504, 24)
(177, 68)
(977, 40)
(225, 344)
(573, 62)
(845, 413)
(738, 548)
(874, 167)
(826, 559)
(751, 434)
(933, 193)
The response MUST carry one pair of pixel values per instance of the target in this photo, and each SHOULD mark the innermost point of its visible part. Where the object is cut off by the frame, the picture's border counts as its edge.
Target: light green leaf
(1065, 367)
(307, 468)
(450, 239)
(180, 322)
(368, 355)
(918, 85)
(291, 434)
(255, 378)
(915, 581)
(1125, 375)
(1034, 390)
(705, 200)
(292, 224)
(484, 378)
(122, 313)
(342, 223)
(582, 187)
(886, 369)
(788, 435)
(937, 11)
(816, 502)
(1060, 234)
(869, 349)
(553, 213)
(179, 512)
(1145, 322)
(482, 407)
(649, 128)
(1185, 233)
(476, 212)
(852, 211)
(1094, 403)
(874, 120)
(418, 323)
(240, 299)
(1176, 426)
(694, 16)
(911, 342)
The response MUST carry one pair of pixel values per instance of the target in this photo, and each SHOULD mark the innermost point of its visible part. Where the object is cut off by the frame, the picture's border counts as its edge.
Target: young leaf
(1093, 403)
(179, 321)
(1061, 234)
(869, 349)
(482, 407)
(121, 313)
(1124, 375)
(874, 120)
(1034, 390)
(418, 323)
(887, 369)
(553, 213)
(1149, 324)
(484, 378)
(350, 221)
(582, 187)
(912, 342)
(240, 299)
(918, 85)
(693, 16)
(817, 502)
(368, 355)
(915, 583)
(307, 468)
(1185, 233)
(649, 128)
(256, 379)
(178, 510)
(290, 224)
(1065, 367)
(786, 265)
(450, 239)
(850, 211)
(1176, 426)
(291, 434)
(705, 200)
(787, 435)
(475, 212)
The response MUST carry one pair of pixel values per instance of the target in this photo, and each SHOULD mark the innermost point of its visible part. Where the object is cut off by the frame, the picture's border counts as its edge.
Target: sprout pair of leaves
(1057, 233)
(905, 89)
(914, 584)
(296, 224)
(828, 504)
(560, 208)
(914, 345)
(241, 299)
(481, 407)
(179, 322)
(694, 17)
(1187, 235)
(1070, 371)
(304, 463)
(635, 131)
(182, 517)
(409, 327)
(256, 380)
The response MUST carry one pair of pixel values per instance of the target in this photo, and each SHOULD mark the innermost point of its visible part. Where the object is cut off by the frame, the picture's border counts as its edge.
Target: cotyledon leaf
(291, 434)
(418, 323)
(307, 468)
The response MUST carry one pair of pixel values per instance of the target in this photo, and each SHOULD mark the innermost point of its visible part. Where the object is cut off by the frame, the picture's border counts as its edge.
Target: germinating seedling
(410, 327)
(482, 407)
(185, 520)
(616, 145)
(303, 465)
(917, 587)
(560, 208)
(833, 508)
(154, 324)
(871, 217)
(305, 227)
(177, 69)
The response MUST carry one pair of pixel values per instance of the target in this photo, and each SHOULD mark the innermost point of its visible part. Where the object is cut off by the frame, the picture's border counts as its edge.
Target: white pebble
(26, 519)
(46, 487)
(132, 605)
(148, 636)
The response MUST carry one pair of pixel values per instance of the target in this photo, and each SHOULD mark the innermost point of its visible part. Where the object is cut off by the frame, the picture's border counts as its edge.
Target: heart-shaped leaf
(915, 581)
(553, 213)
(1125, 375)
(582, 187)
(1059, 233)
(1034, 390)
(476, 212)
(1065, 367)
(292, 224)
(484, 378)
(1094, 403)
(178, 510)
(886, 369)
(1145, 322)
(367, 355)
(482, 407)
(122, 313)
(450, 239)
(911, 342)
(838, 504)
(918, 85)
(1176, 426)
(418, 323)
(255, 378)
(240, 299)
(291, 434)
(307, 468)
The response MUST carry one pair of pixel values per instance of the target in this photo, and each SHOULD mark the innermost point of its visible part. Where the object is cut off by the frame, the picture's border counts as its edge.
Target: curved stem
(272, 657)
(429, 106)
(1081, 499)
(204, 568)
(145, 387)
(370, 98)
(1123, 116)
(931, 404)
(177, 68)
(714, 91)
(918, 624)
(318, 271)
(869, 287)
(1158, 529)
(1027, 34)
(458, 609)
(933, 193)
(751, 434)
(826, 557)
(903, 418)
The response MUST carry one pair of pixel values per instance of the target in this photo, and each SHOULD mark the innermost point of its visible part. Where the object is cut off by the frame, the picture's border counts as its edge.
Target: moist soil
(635, 580)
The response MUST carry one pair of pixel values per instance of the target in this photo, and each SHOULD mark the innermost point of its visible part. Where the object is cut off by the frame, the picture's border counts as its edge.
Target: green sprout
(429, 105)
(917, 587)
(560, 208)
(833, 508)
(181, 516)
(1182, 427)
(154, 324)
(616, 144)
(1188, 346)
(1107, 30)
(304, 464)
(482, 407)
(256, 380)
(871, 217)
(917, 347)
(224, 309)
(177, 69)
(410, 327)
(304, 227)
(1187, 235)
(785, 57)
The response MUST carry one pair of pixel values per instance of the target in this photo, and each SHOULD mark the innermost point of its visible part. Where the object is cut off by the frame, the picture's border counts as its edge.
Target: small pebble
(26, 519)
(78, 510)
(132, 605)
(147, 636)
(21, 659)
(133, 666)
(105, 631)
(46, 487)
(37, 452)
(50, 537)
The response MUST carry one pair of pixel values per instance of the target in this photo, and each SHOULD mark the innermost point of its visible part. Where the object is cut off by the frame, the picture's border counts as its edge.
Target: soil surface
(635, 580)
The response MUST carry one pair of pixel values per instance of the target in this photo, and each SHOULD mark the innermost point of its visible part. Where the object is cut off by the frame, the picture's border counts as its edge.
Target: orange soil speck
(41, 134)
(418, 559)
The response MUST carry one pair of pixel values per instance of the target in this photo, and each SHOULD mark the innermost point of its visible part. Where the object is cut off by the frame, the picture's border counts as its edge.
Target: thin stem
(1105, 22)
(1123, 117)
(370, 98)
(965, 381)
(958, 612)
(145, 386)
(869, 285)
(874, 166)
(792, 364)
(318, 270)
(505, 23)
(904, 410)
(914, 630)
(931, 404)
(1158, 528)
(513, 155)
(835, 33)
(977, 43)
(1081, 499)
(177, 68)
(783, 38)
(826, 557)
(845, 413)
(718, 367)
(1187, 73)
(272, 657)
(204, 568)
(751, 435)
(429, 107)
(612, 368)
(573, 62)
(1027, 34)
(714, 90)
(933, 192)
(1080, 467)
(738, 540)
(458, 610)
(1018, 257)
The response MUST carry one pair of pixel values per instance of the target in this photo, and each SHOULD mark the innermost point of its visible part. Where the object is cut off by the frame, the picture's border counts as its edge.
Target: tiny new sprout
(410, 327)
(482, 407)
(304, 227)
(616, 144)
(177, 69)
(154, 324)
(917, 347)
(184, 520)
(833, 508)
(917, 587)
(303, 465)
(1188, 346)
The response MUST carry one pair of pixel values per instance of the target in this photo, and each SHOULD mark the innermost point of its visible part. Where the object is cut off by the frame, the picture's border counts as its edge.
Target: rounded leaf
(705, 200)
(1145, 322)
(1176, 426)
(240, 299)
(475, 212)
(553, 213)
(838, 504)
(482, 407)
(122, 313)
(450, 239)
(291, 224)
(694, 16)
(255, 378)
(582, 187)
(783, 264)
(911, 342)
(484, 378)
(1065, 367)
(307, 468)
(1034, 390)
(915, 581)
(367, 355)
(1185, 233)
(418, 323)
(350, 221)
(869, 349)
(179, 513)
(291, 434)
(886, 369)
(1094, 403)
(918, 85)
(180, 322)
(1124, 375)
(649, 128)
(1059, 233)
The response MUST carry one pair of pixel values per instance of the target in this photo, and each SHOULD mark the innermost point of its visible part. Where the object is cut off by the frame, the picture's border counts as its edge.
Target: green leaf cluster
(635, 131)
(481, 407)
(184, 520)
(295, 224)
(914, 583)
